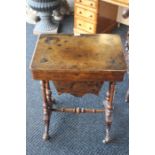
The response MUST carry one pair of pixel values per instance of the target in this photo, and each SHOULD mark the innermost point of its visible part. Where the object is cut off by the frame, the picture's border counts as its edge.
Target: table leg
(108, 110)
(47, 105)
(127, 97)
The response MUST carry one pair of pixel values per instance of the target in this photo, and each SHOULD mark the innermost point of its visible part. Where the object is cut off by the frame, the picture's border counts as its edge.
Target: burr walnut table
(78, 65)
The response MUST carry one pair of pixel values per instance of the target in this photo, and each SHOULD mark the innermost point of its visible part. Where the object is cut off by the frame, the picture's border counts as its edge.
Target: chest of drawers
(94, 16)
(98, 16)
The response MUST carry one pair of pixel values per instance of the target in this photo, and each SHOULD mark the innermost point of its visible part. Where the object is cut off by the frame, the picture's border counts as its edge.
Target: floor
(73, 134)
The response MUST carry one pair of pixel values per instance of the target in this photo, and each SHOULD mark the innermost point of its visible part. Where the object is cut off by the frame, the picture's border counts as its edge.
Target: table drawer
(81, 24)
(78, 88)
(85, 13)
(88, 3)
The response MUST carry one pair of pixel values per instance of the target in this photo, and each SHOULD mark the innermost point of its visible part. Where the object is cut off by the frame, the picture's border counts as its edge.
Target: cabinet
(96, 16)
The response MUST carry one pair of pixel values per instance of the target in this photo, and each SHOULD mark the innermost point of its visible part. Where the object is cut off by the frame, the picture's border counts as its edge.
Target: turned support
(47, 105)
(127, 97)
(108, 110)
(78, 110)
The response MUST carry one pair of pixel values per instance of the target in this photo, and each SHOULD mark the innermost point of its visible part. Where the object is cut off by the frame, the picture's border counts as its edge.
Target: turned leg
(127, 97)
(108, 110)
(47, 105)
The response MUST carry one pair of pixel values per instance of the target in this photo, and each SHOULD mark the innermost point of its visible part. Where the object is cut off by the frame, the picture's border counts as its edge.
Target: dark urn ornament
(45, 9)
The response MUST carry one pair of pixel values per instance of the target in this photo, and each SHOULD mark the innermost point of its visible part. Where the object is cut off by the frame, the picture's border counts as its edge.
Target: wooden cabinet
(98, 16)
(94, 16)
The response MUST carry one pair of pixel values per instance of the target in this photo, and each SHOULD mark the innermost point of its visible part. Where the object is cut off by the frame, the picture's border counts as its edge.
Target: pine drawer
(85, 13)
(89, 3)
(84, 25)
(79, 31)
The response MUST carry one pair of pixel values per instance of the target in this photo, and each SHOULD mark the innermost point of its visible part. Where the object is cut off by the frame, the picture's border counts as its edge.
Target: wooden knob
(80, 12)
(91, 4)
(91, 16)
(125, 13)
(80, 1)
(90, 28)
(79, 24)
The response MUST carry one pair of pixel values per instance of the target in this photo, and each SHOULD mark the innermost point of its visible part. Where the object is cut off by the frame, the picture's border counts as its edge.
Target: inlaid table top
(86, 57)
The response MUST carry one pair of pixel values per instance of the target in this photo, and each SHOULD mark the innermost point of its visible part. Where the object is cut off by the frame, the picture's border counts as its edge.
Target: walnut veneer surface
(86, 57)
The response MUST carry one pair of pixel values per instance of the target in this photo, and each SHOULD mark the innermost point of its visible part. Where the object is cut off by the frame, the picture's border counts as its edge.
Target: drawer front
(89, 27)
(78, 88)
(85, 13)
(88, 3)
(79, 31)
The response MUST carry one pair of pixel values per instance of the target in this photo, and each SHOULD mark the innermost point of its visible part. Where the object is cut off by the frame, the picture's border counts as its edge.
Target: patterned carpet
(73, 134)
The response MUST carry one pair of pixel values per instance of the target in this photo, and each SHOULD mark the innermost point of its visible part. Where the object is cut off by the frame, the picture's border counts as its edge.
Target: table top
(59, 54)
(122, 3)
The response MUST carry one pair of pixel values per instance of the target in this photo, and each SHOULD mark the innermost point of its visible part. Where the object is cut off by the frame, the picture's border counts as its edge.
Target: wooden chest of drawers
(89, 3)
(94, 16)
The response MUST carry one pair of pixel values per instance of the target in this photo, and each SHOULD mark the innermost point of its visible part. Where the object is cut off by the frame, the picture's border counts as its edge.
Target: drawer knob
(91, 16)
(91, 4)
(90, 28)
(79, 24)
(80, 12)
(80, 1)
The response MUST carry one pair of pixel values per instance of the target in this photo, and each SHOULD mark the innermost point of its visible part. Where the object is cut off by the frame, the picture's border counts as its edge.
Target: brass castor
(106, 140)
(46, 137)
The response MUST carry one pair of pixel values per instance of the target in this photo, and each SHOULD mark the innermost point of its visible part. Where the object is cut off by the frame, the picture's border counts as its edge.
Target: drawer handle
(90, 28)
(91, 4)
(80, 1)
(91, 16)
(79, 24)
(80, 12)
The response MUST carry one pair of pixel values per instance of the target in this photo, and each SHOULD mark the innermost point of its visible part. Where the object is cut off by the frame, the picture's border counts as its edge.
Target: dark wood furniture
(78, 65)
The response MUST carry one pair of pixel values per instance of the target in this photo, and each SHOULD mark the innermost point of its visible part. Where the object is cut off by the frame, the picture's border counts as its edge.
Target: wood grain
(86, 57)
(78, 88)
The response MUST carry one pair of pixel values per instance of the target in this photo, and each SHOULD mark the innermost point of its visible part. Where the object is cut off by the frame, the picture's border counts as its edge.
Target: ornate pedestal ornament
(57, 15)
(31, 15)
(45, 9)
(63, 10)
